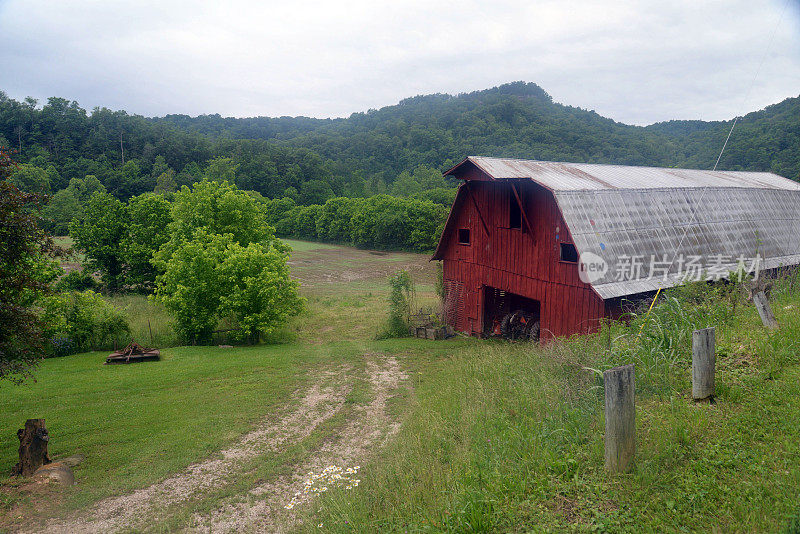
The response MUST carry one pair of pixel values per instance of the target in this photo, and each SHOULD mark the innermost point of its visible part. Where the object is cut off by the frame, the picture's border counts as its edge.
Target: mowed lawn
(135, 424)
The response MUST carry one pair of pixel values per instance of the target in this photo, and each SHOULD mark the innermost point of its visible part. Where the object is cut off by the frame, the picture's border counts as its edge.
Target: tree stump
(32, 447)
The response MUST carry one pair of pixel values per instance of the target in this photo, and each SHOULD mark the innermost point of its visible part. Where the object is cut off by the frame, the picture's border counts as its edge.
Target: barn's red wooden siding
(513, 260)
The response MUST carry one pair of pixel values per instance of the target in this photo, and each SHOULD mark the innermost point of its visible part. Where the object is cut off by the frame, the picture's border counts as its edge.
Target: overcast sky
(636, 62)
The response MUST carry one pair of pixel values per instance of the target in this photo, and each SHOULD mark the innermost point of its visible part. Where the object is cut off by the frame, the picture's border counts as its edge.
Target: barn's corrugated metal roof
(619, 213)
(581, 176)
(712, 228)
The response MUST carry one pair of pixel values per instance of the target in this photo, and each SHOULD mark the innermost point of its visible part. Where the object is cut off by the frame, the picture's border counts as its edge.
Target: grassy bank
(505, 437)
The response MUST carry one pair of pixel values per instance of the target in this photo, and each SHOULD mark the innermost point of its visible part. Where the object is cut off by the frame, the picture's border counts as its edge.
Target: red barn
(535, 246)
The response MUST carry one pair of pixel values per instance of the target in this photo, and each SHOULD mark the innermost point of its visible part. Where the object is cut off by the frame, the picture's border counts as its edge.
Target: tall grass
(509, 437)
(659, 340)
(149, 321)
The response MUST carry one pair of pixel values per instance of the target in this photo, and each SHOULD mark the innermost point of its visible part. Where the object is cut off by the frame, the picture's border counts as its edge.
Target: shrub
(81, 321)
(77, 281)
(400, 303)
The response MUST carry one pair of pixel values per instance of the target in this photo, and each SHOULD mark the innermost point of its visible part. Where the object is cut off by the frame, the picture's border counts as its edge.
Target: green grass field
(494, 436)
(510, 439)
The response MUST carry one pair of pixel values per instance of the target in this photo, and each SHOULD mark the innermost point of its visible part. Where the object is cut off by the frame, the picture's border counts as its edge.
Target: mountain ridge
(366, 152)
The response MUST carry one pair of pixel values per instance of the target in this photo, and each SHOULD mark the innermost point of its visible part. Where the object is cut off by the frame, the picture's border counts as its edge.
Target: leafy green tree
(99, 233)
(422, 179)
(77, 280)
(134, 182)
(190, 286)
(27, 270)
(315, 192)
(31, 178)
(304, 221)
(148, 221)
(221, 169)
(83, 188)
(334, 222)
(211, 276)
(60, 210)
(386, 222)
(159, 167)
(165, 182)
(190, 174)
(276, 209)
(439, 195)
(55, 179)
(217, 208)
(291, 193)
(259, 293)
(222, 260)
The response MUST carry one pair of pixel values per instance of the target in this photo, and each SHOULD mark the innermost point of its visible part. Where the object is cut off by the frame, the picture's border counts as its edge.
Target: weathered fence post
(620, 418)
(764, 310)
(704, 362)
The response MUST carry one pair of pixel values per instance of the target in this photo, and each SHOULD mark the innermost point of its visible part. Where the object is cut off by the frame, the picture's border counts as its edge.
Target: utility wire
(724, 145)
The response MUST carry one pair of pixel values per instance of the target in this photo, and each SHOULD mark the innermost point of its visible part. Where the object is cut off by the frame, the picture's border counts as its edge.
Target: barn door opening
(510, 315)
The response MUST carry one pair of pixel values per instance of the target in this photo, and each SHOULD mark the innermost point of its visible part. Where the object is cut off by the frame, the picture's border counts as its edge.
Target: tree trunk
(32, 447)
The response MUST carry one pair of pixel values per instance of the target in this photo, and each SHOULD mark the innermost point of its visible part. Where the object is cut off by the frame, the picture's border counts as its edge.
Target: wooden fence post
(620, 418)
(704, 362)
(764, 310)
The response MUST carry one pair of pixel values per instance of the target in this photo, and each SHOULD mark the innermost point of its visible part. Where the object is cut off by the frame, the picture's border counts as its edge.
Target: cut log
(32, 447)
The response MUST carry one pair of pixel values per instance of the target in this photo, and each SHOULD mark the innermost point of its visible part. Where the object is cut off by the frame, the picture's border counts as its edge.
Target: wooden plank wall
(515, 261)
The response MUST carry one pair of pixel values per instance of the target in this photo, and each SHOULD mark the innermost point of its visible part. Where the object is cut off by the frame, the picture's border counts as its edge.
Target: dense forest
(399, 150)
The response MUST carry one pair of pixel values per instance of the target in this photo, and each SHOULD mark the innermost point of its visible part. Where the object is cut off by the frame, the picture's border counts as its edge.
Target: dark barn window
(569, 253)
(514, 214)
(463, 236)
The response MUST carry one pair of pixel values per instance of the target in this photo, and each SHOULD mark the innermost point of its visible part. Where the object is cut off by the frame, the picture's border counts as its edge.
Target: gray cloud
(636, 62)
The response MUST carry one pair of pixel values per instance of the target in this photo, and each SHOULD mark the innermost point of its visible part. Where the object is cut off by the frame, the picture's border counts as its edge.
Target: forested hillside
(397, 150)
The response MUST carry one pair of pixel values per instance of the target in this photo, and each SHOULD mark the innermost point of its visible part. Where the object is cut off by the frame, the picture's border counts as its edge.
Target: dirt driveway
(270, 505)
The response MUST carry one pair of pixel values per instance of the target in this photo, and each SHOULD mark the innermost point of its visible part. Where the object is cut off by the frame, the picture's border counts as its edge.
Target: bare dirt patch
(345, 264)
(263, 509)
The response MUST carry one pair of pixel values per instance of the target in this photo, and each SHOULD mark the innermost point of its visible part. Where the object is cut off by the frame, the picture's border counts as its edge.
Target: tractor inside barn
(509, 315)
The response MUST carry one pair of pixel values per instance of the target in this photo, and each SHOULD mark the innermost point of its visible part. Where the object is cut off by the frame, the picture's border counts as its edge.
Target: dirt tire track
(262, 508)
(318, 404)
